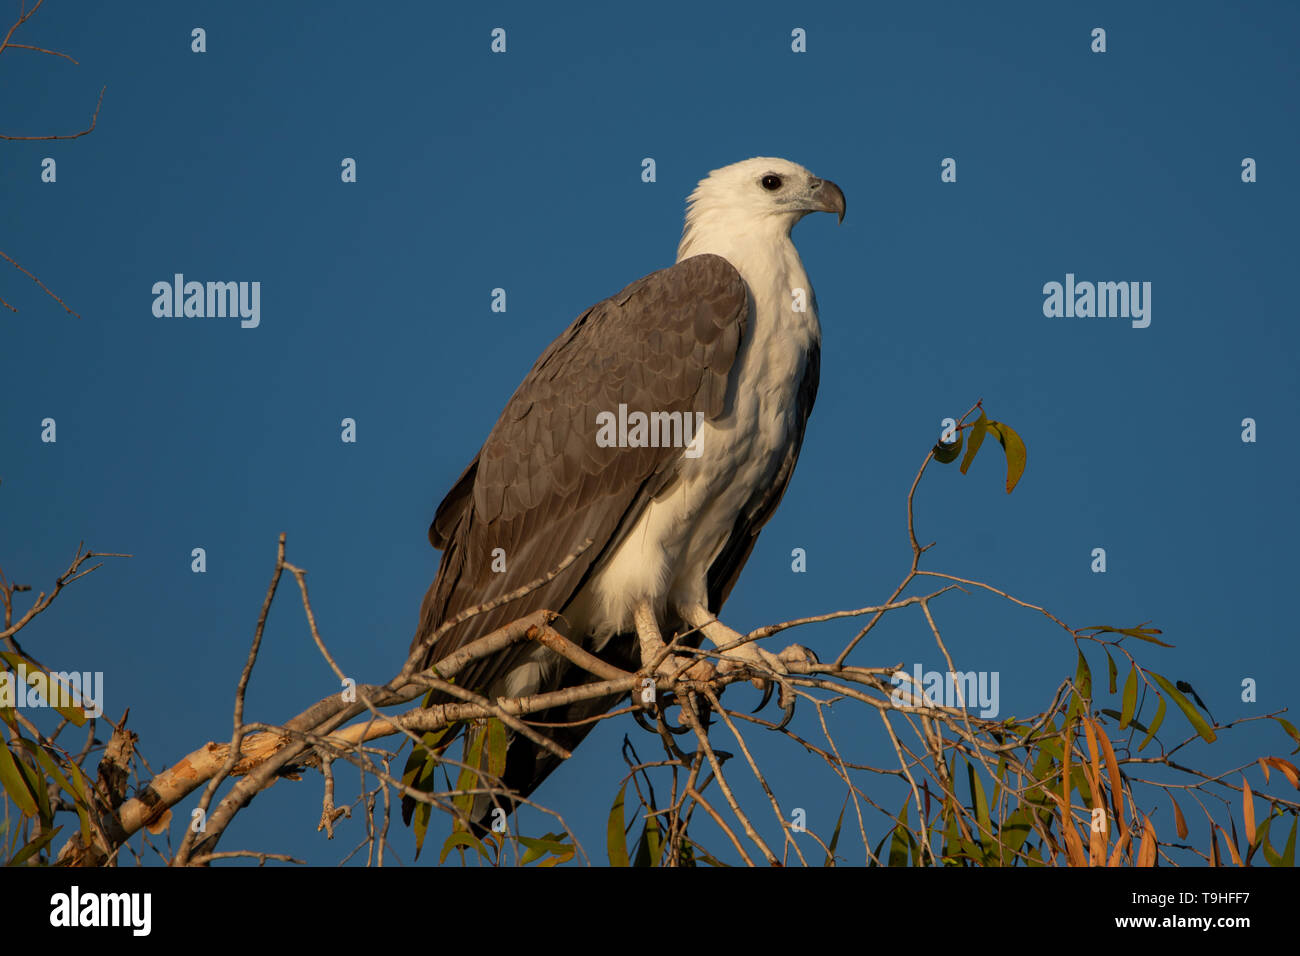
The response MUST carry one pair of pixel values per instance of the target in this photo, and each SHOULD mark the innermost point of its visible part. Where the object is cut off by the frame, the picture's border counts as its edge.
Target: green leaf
(1144, 635)
(420, 824)
(1290, 730)
(1015, 831)
(52, 768)
(468, 778)
(648, 847)
(875, 856)
(698, 852)
(1111, 673)
(980, 806)
(552, 843)
(1261, 837)
(496, 733)
(1155, 724)
(899, 844)
(75, 715)
(686, 855)
(40, 789)
(49, 766)
(1114, 714)
(951, 837)
(835, 837)
(1288, 852)
(1050, 745)
(1139, 632)
(1079, 780)
(947, 454)
(421, 778)
(78, 779)
(414, 763)
(1015, 452)
(556, 859)
(1186, 707)
(462, 838)
(977, 431)
(616, 831)
(418, 775)
(1082, 687)
(34, 847)
(15, 783)
(969, 851)
(1130, 697)
(654, 840)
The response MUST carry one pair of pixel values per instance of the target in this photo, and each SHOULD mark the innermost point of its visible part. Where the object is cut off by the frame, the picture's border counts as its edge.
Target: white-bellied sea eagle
(717, 342)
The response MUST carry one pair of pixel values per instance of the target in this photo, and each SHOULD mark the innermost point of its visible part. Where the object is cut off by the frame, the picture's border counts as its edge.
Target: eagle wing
(541, 485)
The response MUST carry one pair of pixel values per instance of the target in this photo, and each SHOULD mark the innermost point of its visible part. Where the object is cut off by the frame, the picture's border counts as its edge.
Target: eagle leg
(737, 654)
(735, 651)
(654, 649)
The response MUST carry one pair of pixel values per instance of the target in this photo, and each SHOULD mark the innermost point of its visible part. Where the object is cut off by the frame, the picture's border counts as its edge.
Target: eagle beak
(828, 196)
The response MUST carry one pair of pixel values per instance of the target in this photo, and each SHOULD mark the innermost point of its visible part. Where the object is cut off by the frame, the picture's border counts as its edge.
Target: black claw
(661, 715)
(676, 731)
(767, 695)
(789, 713)
(706, 714)
(667, 738)
(639, 716)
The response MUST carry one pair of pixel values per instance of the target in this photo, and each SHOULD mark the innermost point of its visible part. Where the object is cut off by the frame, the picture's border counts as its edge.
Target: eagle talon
(678, 730)
(639, 716)
(754, 657)
(788, 708)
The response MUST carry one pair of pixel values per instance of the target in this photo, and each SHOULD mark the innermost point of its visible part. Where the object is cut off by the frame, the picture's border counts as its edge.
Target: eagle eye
(771, 182)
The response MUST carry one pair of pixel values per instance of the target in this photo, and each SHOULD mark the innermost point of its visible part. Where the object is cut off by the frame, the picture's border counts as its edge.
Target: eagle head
(763, 194)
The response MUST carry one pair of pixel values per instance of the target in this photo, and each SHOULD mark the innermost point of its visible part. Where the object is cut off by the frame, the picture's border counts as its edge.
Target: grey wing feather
(540, 486)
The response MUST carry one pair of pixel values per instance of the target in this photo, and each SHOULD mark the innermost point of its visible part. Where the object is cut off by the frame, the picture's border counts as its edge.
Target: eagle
(722, 351)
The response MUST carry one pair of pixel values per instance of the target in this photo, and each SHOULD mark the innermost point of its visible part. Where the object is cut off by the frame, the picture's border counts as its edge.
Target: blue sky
(522, 171)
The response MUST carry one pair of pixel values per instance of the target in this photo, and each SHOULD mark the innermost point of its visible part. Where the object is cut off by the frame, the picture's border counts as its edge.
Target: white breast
(666, 557)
